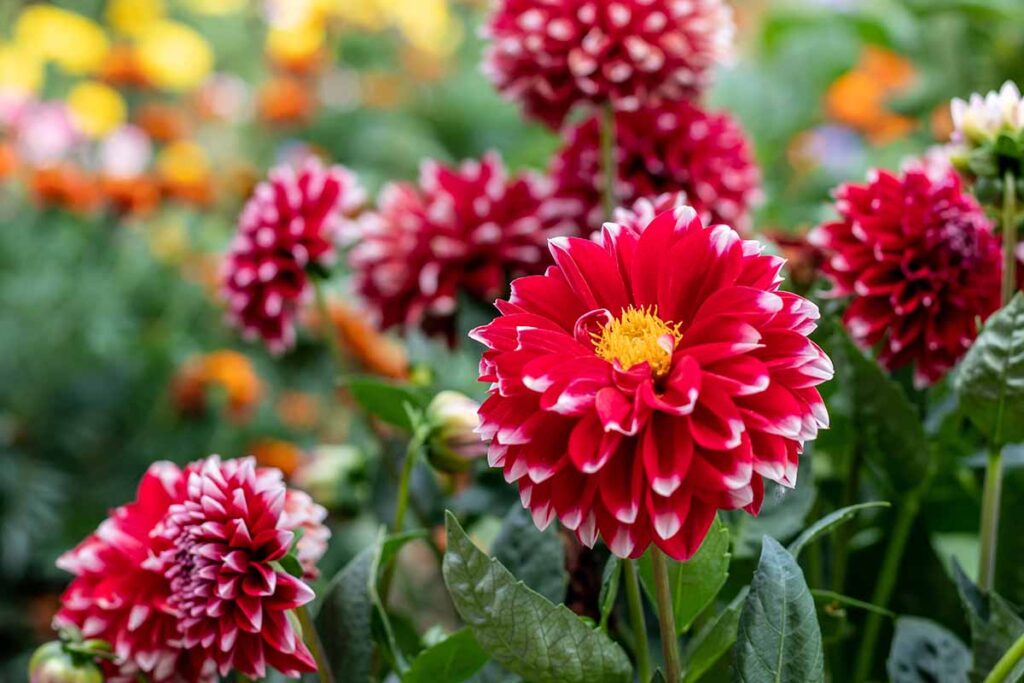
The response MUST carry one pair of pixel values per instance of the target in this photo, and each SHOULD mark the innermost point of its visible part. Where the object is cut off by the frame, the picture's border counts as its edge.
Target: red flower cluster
(648, 380)
(290, 225)
(180, 580)
(553, 54)
(463, 230)
(918, 259)
(669, 148)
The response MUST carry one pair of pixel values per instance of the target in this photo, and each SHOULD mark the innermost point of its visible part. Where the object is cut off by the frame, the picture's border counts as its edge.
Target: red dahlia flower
(233, 599)
(920, 264)
(463, 230)
(648, 380)
(671, 148)
(553, 54)
(290, 225)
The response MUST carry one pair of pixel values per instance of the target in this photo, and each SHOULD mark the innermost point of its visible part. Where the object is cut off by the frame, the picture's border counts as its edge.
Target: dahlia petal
(667, 449)
(683, 545)
(590, 446)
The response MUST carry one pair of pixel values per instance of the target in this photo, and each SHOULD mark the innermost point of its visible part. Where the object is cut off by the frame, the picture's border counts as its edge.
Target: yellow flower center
(638, 335)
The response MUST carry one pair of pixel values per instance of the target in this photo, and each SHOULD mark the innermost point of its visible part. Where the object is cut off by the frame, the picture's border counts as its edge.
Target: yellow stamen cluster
(636, 336)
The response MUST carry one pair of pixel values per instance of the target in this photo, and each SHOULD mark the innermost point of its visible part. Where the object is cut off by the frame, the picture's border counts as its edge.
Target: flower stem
(608, 160)
(1009, 237)
(402, 504)
(887, 577)
(327, 327)
(636, 618)
(312, 639)
(1006, 664)
(667, 620)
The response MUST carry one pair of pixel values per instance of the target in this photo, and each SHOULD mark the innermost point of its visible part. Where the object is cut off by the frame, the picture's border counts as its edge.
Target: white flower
(981, 119)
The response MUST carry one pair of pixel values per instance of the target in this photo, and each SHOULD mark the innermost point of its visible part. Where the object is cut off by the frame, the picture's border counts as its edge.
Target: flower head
(920, 264)
(982, 118)
(670, 148)
(552, 55)
(648, 380)
(290, 224)
(461, 231)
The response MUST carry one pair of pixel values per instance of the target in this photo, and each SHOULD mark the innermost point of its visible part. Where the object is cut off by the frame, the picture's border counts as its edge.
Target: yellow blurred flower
(215, 7)
(365, 14)
(168, 241)
(97, 108)
(296, 45)
(183, 162)
(71, 41)
(174, 56)
(428, 25)
(131, 17)
(20, 69)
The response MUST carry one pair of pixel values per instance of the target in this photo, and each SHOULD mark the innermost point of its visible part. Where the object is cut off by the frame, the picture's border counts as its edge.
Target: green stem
(887, 577)
(845, 533)
(990, 499)
(1006, 664)
(1009, 237)
(327, 327)
(312, 639)
(667, 620)
(608, 167)
(636, 618)
(402, 504)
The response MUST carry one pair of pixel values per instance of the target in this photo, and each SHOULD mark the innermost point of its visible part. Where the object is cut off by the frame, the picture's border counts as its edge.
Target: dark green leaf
(385, 400)
(783, 513)
(779, 638)
(830, 522)
(658, 677)
(344, 620)
(609, 588)
(991, 379)
(995, 625)
(713, 640)
(922, 652)
(393, 543)
(533, 556)
(452, 660)
(696, 582)
(519, 628)
(828, 598)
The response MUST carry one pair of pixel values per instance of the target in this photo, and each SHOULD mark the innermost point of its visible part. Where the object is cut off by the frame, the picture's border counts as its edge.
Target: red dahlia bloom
(290, 225)
(920, 264)
(463, 230)
(648, 380)
(671, 148)
(553, 54)
(225, 539)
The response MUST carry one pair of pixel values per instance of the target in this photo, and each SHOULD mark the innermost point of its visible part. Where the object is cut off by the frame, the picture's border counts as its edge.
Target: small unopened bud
(52, 663)
(335, 476)
(453, 444)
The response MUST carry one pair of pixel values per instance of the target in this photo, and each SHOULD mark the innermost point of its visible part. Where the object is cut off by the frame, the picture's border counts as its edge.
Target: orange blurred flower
(137, 196)
(298, 410)
(378, 353)
(227, 371)
(278, 453)
(8, 160)
(423, 65)
(162, 122)
(65, 186)
(858, 98)
(942, 122)
(121, 68)
(383, 90)
(285, 100)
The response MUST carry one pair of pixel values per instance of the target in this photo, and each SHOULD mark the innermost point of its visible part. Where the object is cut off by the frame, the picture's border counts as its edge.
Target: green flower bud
(453, 444)
(51, 663)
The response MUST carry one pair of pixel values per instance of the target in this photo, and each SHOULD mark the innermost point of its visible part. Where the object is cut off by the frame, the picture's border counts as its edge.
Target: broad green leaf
(452, 660)
(995, 625)
(394, 543)
(535, 557)
(779, 638)
(922, 652)
(519, 628)
(713, 640)
(609, 589)
(344, 621)
(830, 522)
(696, 582)
(385, 400)
(991, 378)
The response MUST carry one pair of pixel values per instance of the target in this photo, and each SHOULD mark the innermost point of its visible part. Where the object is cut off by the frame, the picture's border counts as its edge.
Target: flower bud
(979, 120)
(51, 663)
(453, 442)
(335, 476)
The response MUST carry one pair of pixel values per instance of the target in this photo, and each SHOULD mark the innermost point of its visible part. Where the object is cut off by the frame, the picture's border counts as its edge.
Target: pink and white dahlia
(918, 260)
(232, 597)
(551, 55)
(675, 147)
(463, 230)
(302, 514)
(288, 228)
(649, 380)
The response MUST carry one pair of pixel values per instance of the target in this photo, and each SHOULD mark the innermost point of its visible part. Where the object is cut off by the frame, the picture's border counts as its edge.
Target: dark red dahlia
(291, 224)
(464, 230)
(919, 261)
(233, 599)
(676, 147)
(649, 379)
(551, 55)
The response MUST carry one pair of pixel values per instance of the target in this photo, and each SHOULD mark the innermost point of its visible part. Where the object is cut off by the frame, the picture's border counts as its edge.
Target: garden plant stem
(608, 160)
(1005, 666)
(636, 618)
(312, 639)
(667, 620)
(401, 505)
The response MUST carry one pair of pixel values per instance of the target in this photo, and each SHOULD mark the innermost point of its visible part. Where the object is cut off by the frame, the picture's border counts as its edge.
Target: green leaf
(782, 515)
(609, 589)
(393, 543)
(344, 621)
(991, 378)
(779, 638)
(520, 629)
(995, 625)
(536, 557)
(830, 522)
(452, 660)
(696, 582)
(385, 400)
(829, 598)
(922, 652)
(713, 640)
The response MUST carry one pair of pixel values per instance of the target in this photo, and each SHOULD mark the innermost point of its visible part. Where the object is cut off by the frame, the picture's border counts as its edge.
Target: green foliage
(519, 628)
(995, 624)
(713, 640)
(922, 651)
(345, 617)
(452, 660)
(388, 401)
(537, 558)
(829, 522)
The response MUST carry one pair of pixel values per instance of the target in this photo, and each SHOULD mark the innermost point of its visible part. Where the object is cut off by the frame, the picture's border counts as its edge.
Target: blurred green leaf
(713, 639)
(385, 400)
(995, 625)
(344, 621)
(830, 522)
(610, 578)
(923, 651)
(535, 557)
(452, 660)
